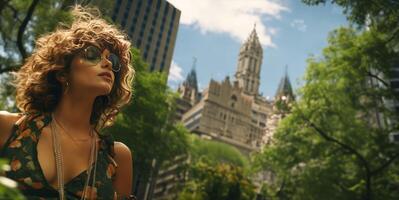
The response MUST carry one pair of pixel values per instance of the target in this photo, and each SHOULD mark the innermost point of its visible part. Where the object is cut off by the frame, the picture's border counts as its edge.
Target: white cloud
(234, 17)
(175, 73)
(299, 24)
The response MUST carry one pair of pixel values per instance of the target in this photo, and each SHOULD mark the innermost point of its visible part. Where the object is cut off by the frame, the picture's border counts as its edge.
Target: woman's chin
(104, 89)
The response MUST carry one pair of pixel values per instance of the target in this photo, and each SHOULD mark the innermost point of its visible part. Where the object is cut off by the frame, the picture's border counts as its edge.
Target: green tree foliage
(7, 186)
(334, 143)
(214, 153)
(365, 12)
(145, 124)
(22, 22)
(222, 182)
(216, 171)
(381, 15)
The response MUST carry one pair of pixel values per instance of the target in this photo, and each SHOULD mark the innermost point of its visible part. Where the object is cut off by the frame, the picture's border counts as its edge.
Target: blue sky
(213, 31)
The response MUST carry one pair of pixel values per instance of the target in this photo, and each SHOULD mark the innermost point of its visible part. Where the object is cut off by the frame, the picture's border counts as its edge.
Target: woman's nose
(105, 62)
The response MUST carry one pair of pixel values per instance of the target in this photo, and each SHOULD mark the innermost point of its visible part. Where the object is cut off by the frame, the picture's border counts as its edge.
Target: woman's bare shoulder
(124, 171)
(7, 120)
(121, 150)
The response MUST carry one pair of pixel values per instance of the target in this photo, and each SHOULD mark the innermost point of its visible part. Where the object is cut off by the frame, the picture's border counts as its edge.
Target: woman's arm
(7, 120)
(124, 171)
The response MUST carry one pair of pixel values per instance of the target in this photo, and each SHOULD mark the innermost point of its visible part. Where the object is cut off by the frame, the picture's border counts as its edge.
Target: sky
(212, 31)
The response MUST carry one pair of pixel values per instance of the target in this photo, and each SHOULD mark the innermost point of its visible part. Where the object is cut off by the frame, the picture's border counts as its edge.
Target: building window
(162, 65)
(166, 11)
(158, 4)
(116, 10)
(233, 100)
(153, 60)
(395, 84)
(156, 52)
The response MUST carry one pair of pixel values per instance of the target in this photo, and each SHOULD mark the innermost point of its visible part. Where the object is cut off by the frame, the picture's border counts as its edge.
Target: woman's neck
(74, 111)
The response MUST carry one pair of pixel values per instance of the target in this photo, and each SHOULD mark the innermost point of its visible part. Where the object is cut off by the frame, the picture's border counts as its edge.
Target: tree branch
(22, 28)
(7, 69)
(3, 4)
(14, 11)
(385, 165)
(378, 78)
(393, 36)
(368, 194)
(342, 145)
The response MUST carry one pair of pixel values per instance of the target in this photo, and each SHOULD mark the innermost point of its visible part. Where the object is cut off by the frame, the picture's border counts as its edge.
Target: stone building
(233, 111)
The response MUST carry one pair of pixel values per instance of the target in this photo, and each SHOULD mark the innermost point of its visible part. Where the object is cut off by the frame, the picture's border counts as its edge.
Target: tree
(8, 188)
(361, 12)
(145, 124)
(216, 171)
(22, 22)
(223, 182)
(214, 153)
(334, 143)
(381, 15)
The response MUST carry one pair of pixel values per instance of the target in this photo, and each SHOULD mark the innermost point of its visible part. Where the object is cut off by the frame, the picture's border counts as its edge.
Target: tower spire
(194, 63)
(285, 87)
(249, 64)
(286, 70)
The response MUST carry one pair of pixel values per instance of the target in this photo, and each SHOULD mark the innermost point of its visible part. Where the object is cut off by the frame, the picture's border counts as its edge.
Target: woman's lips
(106, 76)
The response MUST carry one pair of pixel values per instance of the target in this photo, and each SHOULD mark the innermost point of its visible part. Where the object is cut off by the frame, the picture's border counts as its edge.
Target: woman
(70, 88)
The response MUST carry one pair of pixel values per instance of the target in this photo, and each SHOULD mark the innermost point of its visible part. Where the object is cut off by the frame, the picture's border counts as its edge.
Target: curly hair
(37, 88)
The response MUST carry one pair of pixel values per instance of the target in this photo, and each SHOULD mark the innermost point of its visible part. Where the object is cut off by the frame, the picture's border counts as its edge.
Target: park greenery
(334, 142)
(216, 171)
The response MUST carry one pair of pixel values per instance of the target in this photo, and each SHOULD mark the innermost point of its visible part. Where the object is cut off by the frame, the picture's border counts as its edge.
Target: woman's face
(93, 70)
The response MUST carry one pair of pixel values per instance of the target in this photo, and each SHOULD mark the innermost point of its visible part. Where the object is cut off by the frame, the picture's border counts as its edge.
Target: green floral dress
(21, 150)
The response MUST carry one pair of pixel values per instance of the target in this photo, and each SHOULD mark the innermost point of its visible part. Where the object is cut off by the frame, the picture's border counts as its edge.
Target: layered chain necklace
(87, 193)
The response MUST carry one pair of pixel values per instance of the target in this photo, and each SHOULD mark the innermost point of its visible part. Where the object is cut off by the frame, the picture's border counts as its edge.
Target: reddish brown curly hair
(37, 87)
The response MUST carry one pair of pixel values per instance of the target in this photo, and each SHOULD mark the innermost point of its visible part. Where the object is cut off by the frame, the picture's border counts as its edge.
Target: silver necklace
(60, 164)
(76, 141)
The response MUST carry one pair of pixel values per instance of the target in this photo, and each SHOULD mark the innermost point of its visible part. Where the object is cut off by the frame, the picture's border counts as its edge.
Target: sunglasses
(93, 55)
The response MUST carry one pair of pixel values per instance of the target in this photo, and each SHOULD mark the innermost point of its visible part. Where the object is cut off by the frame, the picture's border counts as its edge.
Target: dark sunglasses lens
(92, 54)
(115, 62)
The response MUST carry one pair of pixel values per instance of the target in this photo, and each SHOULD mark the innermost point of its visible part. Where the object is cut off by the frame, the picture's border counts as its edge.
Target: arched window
(233, 100)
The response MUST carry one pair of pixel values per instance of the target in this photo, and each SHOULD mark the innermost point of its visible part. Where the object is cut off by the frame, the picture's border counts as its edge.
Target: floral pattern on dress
(21, 151)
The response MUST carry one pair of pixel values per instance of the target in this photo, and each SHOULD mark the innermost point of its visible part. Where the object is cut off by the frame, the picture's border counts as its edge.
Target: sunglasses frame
(83, 54)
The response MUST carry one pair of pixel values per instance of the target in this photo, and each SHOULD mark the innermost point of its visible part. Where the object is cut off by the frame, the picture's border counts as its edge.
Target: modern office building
(152, 26)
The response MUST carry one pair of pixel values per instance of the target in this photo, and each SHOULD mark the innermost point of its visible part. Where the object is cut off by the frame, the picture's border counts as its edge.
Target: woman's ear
(61, 77)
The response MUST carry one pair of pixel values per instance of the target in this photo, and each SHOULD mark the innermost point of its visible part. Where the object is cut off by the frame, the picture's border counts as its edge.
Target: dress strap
(107, 143)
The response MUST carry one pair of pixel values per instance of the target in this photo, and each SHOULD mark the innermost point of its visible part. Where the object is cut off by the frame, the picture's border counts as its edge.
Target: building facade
(152, 26)
(233, 111)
